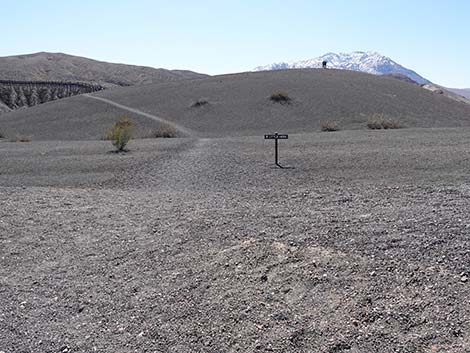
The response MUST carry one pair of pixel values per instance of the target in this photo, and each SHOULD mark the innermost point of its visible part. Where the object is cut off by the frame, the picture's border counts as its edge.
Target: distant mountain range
(369, 62)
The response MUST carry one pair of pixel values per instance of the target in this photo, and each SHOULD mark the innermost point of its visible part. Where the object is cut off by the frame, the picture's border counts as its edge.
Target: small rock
(463, 279)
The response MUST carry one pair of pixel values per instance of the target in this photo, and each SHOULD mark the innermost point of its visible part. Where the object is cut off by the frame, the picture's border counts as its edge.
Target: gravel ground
(202, 246)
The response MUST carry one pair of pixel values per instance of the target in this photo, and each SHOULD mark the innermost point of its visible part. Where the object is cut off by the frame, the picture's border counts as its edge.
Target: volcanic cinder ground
(200, 244)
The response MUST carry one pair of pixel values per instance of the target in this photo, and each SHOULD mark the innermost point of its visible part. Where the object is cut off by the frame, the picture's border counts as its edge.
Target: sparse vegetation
(281, 97)
(379, 121)
(120, 134)
(164, 131)
(374, 123)
(329, 126)
(21, 138)
(391, 124)
(200, 103)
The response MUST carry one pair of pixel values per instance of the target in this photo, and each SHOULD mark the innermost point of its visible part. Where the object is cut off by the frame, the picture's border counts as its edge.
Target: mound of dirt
(240, 105)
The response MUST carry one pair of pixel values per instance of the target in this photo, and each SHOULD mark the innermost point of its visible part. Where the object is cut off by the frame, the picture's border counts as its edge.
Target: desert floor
(201, 245)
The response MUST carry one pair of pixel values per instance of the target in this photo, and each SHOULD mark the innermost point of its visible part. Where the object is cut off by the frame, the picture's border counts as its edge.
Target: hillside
(62, 67)
(449, 93)
(465, 92)
(240, 104)
(369, 62)
(3, 108)
(23, 94)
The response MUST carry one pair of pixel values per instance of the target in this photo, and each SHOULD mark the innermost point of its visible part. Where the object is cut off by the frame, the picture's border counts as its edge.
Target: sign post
(276, 137)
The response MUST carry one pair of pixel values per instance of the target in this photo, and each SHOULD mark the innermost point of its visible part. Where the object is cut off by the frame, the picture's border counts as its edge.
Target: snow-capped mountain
(370, 62)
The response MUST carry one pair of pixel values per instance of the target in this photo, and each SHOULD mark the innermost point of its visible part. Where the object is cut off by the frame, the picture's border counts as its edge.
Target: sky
(215, 37)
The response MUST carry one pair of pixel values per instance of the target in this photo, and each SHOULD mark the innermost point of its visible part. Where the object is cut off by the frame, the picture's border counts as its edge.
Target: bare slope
(62, 67)
(239, 105)
(465, 92)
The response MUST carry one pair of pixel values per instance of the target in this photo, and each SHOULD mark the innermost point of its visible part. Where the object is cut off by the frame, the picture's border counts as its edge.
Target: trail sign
(276, 137)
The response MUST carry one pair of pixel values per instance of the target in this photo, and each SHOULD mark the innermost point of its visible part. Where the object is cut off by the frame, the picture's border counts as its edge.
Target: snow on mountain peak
(370, 62)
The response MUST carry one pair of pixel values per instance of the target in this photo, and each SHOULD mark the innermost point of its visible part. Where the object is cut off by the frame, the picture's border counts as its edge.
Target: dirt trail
(193, 167)
(180, 128)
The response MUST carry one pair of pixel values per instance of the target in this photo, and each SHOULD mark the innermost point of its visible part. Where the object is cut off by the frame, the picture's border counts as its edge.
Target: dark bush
(280, 97)
(200, 103)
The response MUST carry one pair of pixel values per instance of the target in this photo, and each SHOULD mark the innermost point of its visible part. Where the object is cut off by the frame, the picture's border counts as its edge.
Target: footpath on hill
(180, 128)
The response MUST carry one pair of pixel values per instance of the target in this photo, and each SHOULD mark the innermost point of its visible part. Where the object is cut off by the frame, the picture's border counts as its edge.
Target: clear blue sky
(431, 37)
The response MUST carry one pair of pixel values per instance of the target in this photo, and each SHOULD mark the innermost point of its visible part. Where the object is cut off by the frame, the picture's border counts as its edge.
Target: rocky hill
(62, 67)
(28, 80)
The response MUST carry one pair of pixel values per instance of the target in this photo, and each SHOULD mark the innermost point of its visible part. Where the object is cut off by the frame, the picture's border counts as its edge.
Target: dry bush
(329, 126)
(21, 138)
(379, 121)
(280, 97)
(120, 134)
(2, 135)
(164, 131)
(374, 123)
(391, 124)
(200, 103)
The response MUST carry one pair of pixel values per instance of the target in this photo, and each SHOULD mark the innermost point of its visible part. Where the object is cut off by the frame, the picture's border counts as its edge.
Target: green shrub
(120, 134)
(280, 97)
(329, 126)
